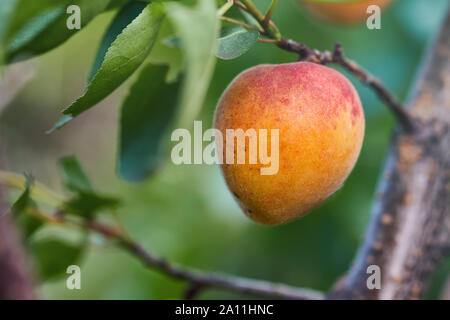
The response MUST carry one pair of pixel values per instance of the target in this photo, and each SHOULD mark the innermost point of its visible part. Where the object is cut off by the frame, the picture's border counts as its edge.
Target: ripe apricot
(320, 123)
(345, 12)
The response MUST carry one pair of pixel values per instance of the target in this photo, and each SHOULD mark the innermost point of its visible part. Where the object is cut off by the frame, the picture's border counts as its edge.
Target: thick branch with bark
(409, 234)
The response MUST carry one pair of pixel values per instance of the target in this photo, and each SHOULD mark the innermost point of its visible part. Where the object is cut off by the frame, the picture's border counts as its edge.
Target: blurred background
(185, 213)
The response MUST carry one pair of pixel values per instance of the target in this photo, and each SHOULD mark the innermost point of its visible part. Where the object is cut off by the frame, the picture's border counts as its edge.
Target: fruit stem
(270, 30)
(270, 12)
(223, 9)
(245, 25)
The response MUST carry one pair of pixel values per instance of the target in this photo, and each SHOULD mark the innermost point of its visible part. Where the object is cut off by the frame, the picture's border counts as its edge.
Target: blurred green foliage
(185, 213)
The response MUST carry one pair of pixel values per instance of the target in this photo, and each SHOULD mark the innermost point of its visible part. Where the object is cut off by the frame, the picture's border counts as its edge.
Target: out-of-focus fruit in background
(342, 12)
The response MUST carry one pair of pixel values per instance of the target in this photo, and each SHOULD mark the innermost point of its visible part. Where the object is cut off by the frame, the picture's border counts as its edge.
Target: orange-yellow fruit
(321, 128)
(346, 12)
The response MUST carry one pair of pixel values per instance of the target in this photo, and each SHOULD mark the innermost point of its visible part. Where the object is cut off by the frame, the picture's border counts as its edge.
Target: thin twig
(337, 57)
(369, 80)
(227, 6)
(234, 21)
(269, 12)
(221, 281)
(200, 279)
(39, 191)
(240, 5)
(269, 29)
(266, 40)
(192, 291)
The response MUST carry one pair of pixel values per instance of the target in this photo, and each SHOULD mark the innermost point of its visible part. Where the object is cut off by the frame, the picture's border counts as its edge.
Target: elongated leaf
(14, 15)
(123, 18)
(198, 29)
(24, 11)
(40, 26)
(33, 28)
(235, 41)
(7, 7)
(146, 114)
(124, 56)
(73, 175)
(53, 256)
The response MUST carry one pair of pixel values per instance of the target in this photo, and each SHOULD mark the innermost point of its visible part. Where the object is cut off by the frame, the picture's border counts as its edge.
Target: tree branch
(243, 24)
(197, 280)
(337, 57)
(201, 280)
(409, 233)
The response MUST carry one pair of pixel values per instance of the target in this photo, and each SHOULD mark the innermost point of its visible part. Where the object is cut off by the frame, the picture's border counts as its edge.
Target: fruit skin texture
(349, 12)
(321, 128)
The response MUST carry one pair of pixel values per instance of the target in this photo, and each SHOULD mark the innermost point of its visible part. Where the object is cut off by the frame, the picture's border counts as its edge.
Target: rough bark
(409, 232)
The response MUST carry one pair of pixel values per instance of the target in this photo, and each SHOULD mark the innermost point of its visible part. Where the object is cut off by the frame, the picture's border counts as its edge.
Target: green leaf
(86, 201)
(26, 222)
(198, 30)
(24, 200)
(147, 113)
(249, 19)
(39, 26)
(73, 175)
(87, 204)
(53, 256)
(123, 18)
(23, 11)
(124, 56)
(14, 14)
(235, 41)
